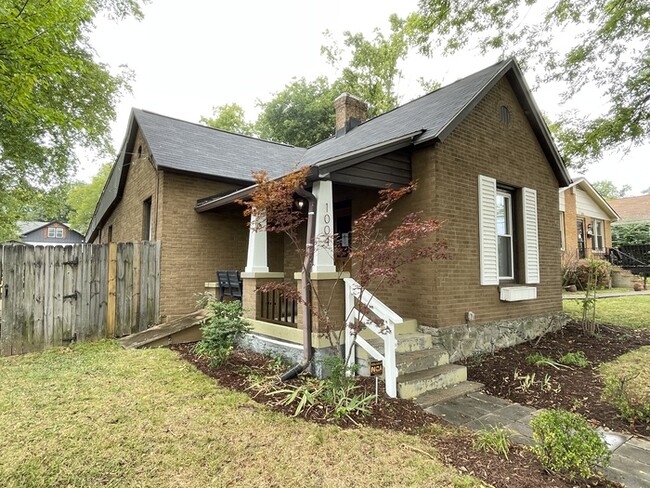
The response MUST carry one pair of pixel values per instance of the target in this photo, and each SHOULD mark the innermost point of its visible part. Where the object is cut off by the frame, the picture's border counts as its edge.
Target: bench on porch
(230, 285)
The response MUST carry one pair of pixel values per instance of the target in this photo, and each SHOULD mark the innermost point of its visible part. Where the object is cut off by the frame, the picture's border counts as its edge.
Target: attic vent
(139, 152)
(504, 113)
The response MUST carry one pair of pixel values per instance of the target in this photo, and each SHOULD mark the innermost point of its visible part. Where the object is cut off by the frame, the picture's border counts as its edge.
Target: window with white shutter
(500, 241)
(531, 238)
(488, 230)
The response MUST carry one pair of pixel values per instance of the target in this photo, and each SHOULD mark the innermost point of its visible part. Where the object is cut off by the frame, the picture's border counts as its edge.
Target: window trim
(508, 197)
(562, 231)
(597, 224)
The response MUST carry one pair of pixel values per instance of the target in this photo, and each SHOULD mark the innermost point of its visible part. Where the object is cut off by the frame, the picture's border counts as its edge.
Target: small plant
(495, 440)
(622, 392)
(221, 328)
(577, 358)
(547, 385)
(538, 359)
(337, 394)
(567, 444)
(526, 382)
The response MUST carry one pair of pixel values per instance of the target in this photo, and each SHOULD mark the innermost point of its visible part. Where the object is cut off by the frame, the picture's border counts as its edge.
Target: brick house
(484, 161)
(585, 221)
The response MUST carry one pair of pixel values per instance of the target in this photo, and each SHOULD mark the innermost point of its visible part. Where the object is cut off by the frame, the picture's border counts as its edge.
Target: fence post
(112, 274)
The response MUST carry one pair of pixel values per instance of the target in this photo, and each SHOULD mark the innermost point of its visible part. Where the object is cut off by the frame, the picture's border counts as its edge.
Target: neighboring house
(585, 221)
(633, 210)
(485, 163)
(51, 233)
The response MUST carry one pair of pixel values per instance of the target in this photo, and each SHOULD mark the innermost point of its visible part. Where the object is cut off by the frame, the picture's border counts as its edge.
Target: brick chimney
(350, 112)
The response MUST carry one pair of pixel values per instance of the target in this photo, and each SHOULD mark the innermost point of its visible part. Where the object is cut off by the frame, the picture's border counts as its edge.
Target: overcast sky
(190, 56)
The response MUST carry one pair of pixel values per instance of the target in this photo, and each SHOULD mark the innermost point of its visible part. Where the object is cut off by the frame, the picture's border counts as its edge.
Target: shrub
(631, 403)
(221, 328)
(597, 270)
(495, 440)
(567, 444)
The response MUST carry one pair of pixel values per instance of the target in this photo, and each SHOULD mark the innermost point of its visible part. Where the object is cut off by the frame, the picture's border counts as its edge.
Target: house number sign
(376, 368)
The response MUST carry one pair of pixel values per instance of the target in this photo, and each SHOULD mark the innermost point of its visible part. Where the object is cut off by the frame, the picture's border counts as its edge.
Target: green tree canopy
(302, 114)
(229, 117)
(372, 73)
(609, 49)
(609, 191)
(83, 197)
(54, 96)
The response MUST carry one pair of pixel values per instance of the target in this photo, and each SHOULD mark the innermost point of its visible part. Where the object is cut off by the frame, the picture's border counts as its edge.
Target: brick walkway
(630, 462)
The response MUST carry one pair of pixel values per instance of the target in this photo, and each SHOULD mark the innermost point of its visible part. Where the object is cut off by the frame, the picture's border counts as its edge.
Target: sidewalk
(630, 462)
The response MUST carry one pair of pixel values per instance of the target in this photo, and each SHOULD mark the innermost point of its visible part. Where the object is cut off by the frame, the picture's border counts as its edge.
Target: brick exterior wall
(571, 229)
(439, 293)
(194, 246)
(143, 182)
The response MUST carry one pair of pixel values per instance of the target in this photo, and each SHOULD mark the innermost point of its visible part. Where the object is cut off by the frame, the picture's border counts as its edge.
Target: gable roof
(196, 149)
(425, 120)
(633, 209)
(597, 198)
(28, 226)
(187, 147)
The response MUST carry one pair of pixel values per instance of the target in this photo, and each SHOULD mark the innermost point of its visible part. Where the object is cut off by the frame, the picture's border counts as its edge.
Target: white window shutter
(531, 237)
(487, 214)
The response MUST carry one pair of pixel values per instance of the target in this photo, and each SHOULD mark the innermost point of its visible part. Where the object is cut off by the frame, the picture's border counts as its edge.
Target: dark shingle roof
(433, 113)
(194, 148)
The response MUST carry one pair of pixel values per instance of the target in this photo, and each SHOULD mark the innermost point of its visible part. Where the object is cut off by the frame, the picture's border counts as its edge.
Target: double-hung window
(505, 235)
(508, 229)
(598, 235)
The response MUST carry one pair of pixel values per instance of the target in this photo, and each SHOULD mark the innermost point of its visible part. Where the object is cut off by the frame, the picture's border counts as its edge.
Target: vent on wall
(504, 113)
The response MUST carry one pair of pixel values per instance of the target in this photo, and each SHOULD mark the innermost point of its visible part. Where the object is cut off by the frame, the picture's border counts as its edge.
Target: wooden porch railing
(356, 301)
(273, 306)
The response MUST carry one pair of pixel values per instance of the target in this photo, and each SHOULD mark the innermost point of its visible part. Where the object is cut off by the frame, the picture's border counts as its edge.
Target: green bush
(221, 328)
(632, 233)
(628, 397)
(567, 444)
(586, 269)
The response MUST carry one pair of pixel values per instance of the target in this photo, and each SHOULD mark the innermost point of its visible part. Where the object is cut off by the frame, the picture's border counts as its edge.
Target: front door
(343, 230)
(581, 239)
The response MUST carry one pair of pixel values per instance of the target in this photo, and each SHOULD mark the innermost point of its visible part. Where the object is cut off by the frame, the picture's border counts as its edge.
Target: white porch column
(257, 254)
(324, 252)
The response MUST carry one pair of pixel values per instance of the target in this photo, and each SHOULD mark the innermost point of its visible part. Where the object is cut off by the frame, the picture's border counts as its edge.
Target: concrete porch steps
(424, 370)
(413, 385)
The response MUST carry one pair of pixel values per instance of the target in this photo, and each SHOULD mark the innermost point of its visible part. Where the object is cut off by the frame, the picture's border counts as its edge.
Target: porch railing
(275, 307)
(363, 308)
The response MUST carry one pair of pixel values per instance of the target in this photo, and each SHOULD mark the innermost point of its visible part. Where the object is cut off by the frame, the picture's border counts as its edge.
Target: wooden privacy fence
(53, 295)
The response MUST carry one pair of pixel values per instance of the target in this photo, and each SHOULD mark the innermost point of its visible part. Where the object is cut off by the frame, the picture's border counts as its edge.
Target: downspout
(305, 289)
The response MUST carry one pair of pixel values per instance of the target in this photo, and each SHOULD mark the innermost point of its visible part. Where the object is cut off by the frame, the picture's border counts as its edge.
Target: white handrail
(385, 330)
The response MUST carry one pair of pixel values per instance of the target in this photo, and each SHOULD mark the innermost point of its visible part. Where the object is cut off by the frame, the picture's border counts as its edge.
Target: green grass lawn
(97, 415)
(630, 311)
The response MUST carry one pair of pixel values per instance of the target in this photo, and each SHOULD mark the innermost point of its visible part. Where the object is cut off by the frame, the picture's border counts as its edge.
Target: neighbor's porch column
(257, 254)
(324, 251)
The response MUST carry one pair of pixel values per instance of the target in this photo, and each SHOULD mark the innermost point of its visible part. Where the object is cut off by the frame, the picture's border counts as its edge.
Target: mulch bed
(521, 470)
(577, 389)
